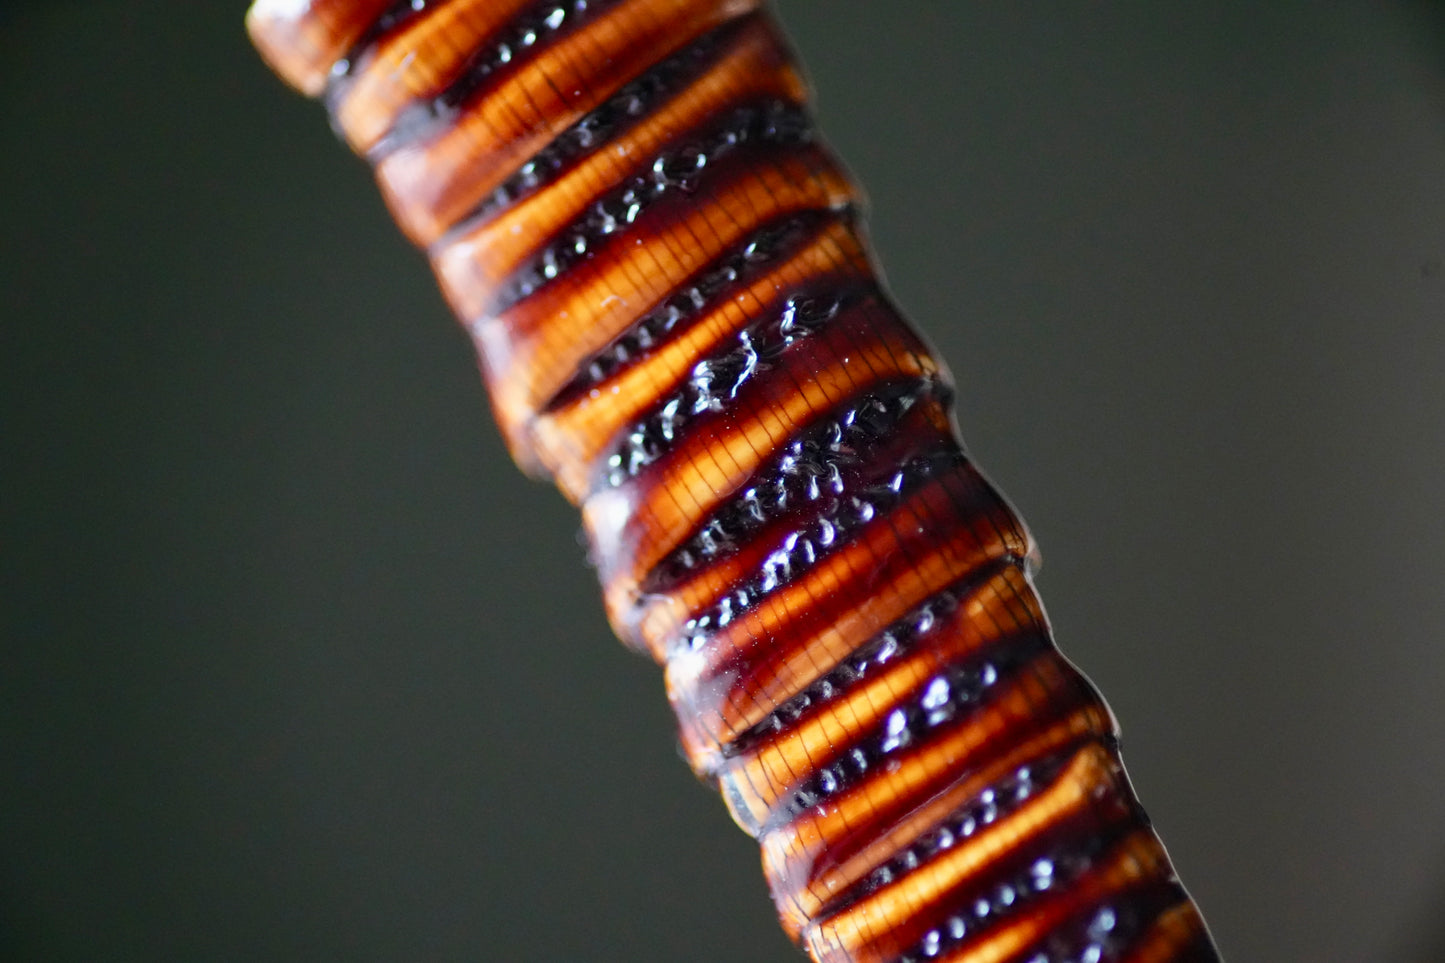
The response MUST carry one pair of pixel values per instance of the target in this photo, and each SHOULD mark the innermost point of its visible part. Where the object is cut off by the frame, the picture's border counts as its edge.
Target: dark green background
(297, 667)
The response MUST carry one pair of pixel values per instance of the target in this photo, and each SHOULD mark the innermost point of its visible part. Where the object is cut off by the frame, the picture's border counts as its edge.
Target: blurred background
(297, 666)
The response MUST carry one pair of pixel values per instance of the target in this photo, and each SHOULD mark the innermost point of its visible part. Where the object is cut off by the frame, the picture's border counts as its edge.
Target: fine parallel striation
(678, 170)
(627, 206)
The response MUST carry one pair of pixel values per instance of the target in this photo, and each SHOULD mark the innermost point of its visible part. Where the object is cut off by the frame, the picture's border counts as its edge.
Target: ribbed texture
(627, 206)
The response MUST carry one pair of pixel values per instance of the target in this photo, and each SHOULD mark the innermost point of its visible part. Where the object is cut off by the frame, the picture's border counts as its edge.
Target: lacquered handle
(627, 206)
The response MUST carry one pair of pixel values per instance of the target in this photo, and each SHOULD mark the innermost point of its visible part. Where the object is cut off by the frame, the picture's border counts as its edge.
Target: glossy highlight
(627, 206)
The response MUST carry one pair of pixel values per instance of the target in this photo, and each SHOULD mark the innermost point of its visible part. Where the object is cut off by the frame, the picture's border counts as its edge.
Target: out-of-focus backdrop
(296, 666)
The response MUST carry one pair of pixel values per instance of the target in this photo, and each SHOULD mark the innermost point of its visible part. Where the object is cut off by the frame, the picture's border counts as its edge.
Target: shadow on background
(1432, 31)
(1424, 938)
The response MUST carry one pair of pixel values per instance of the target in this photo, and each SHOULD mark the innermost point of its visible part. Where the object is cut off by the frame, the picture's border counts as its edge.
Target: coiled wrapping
(627, 206)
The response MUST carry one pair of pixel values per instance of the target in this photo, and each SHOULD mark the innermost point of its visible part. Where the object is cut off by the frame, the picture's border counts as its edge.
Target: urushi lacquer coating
(662, 266)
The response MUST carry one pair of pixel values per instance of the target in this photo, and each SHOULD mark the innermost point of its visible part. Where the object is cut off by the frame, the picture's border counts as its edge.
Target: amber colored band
(627, 206)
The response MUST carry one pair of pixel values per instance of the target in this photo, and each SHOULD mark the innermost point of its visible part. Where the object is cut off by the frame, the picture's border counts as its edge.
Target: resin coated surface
(300, 667)
(628, 208)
